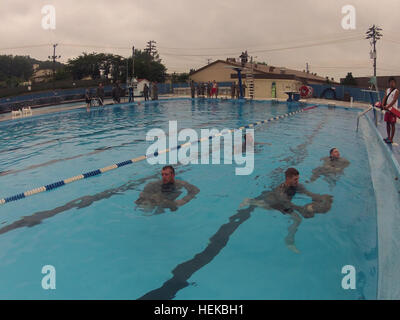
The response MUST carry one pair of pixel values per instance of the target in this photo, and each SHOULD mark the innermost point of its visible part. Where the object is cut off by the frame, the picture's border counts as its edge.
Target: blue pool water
(102, 247)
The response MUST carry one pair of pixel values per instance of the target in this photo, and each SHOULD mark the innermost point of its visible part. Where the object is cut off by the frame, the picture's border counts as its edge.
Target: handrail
(362, 114)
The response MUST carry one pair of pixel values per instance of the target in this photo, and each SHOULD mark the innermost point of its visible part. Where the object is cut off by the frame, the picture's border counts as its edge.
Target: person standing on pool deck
(116, 93)
(198, 88)
(155, 91)
(214, 89)
(163, 194)
(280, 199)
(233, 90)
(146, 92)
(390, 101)
(100, 94)
(237, 91)
(130, 93)
(150, 88)
(192, 89)
(203, 89)
(209, 89)
(88, 99)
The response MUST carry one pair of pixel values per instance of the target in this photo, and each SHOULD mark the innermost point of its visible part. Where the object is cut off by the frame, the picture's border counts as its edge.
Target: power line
(311, 38)
(268, 50)
(27, 46)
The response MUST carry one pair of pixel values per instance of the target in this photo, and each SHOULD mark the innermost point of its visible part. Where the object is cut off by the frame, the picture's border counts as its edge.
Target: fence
(342, 92)
(60, 96)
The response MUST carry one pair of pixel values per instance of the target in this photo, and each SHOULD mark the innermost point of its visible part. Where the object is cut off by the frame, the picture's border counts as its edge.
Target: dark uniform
(158, 196)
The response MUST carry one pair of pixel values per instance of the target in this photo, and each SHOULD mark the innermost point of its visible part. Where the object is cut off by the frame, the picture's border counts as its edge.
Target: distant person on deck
(233, 90)
(209, 89)
(154, 91)
(390, 101)
(281, 197)
(214, 90)
(150, 90)
(203, 89)
(146, 92)
(130, 92)
(116, 93)
(198, 88)
(100, 94)
(192, 89)
(88, 99)
(237, 90)
(163, 194)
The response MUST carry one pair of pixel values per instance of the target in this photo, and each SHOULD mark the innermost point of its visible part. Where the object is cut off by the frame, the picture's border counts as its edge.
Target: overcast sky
(188, 32)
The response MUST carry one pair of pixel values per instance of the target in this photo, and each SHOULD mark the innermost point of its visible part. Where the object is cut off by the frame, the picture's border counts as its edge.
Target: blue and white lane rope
(97, 172)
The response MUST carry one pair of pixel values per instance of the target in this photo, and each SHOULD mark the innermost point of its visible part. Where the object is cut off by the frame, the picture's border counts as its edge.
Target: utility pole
(133, 63)
(54, 57)
(374, 34)
(307, 67)
(133, 73)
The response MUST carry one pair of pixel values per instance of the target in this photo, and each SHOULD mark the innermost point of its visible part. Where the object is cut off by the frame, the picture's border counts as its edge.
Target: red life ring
(306, 91)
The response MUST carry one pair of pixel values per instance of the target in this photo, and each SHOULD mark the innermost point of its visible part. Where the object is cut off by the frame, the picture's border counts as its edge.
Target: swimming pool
(102, 247)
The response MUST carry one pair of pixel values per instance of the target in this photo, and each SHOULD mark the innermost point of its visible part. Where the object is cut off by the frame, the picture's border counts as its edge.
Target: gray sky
(188, 32)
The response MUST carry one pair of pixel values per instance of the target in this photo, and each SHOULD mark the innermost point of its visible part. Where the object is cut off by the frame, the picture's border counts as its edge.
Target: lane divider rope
(97, 172)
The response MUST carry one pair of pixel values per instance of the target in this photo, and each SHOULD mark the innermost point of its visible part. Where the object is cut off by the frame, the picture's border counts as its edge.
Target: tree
(349, 80)
(62, 74)
(116, 66)
(15, 69)
(148, 68)
(85, 65)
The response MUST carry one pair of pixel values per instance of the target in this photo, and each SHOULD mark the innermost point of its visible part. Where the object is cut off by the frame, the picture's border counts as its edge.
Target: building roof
(272, 71)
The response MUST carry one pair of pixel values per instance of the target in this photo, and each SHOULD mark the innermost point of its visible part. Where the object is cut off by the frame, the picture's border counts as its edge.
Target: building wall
(219, 72)
(263, 88)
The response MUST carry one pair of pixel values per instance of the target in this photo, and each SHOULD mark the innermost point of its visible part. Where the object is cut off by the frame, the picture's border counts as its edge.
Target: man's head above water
(168, 174)
(334, 153)
(292, 177)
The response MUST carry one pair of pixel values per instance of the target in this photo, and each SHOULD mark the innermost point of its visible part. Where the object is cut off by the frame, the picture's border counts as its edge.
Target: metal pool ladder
(362, 114)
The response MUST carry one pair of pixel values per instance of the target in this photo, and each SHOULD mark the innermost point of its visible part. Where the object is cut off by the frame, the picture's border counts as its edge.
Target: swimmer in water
(248, 139)
(163, 194)
(333, 167)
(280, 199)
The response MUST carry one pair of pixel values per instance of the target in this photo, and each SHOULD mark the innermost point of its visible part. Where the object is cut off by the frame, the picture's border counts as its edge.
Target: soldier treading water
(332, 168)
(280, 199)
(160, 195)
